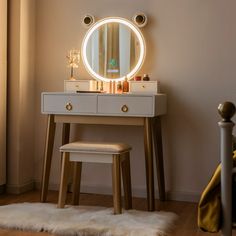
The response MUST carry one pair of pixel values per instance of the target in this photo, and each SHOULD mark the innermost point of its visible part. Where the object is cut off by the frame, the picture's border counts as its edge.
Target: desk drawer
(68, 104)
(126, 105)
(79, 85)
(151, 87)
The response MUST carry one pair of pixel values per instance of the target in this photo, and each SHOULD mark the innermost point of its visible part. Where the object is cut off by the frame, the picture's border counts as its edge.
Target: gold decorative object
(124, 108)
(69, 106)
(73, 57)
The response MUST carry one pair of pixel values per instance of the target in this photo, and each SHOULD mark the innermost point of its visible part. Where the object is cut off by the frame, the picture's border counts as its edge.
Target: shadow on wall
(185, 129)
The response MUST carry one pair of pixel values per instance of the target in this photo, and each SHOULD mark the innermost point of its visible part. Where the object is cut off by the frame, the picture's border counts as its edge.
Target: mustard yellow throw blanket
(209, 207)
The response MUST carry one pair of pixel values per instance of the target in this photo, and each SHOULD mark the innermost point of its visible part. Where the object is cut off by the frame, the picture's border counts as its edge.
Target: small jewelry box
(144, 87)
(79, 85)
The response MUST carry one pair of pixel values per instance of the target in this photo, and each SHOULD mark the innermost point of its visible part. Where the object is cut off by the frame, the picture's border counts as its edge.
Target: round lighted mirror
(113, 49)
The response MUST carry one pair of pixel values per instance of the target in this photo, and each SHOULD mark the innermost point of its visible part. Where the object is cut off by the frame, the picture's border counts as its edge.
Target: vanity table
(113, 51)
(109, 109)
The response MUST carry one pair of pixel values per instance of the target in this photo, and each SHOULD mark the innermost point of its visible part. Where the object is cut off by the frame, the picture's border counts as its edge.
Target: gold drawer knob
(124, 108)
(143, 86)
(69, 106)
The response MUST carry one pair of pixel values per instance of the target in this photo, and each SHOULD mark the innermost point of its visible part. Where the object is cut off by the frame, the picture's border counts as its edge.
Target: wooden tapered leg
(125, 167)
(64, 180)
(65, 138)
(116, 184)
(149, 164)
(65, 133)
(50, 134)
(157, 139)
(76, 182)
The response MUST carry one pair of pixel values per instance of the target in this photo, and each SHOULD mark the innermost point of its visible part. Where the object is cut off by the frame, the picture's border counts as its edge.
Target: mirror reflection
(113, 50)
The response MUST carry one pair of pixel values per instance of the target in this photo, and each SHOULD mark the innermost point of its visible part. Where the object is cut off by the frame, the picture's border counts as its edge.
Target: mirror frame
(133, 28)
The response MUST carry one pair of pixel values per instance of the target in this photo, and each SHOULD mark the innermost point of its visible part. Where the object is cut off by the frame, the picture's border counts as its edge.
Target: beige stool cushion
(96, 147)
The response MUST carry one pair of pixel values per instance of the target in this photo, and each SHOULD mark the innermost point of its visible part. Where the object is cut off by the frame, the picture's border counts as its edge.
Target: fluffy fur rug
(84, 220)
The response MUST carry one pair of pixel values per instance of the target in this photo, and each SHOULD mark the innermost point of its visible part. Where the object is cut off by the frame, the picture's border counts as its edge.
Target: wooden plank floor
(187, 212)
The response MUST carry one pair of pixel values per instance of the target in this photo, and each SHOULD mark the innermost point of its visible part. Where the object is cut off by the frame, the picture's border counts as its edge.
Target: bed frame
(226, 110)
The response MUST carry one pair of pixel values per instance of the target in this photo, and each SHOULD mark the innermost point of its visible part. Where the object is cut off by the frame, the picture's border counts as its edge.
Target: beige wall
(3, 88)
(190, 49)
(21, 97)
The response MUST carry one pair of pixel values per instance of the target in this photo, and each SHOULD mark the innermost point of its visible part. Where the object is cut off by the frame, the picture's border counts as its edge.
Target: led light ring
(112, 20)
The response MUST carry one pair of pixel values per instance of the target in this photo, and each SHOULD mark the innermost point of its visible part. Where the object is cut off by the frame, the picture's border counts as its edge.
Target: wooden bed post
(226, 110)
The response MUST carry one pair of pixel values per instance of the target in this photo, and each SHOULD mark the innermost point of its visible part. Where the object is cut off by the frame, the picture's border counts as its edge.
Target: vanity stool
(116, 154)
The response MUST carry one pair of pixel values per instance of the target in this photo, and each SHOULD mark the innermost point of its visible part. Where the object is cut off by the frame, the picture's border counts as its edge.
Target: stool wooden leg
(125, 164)
(64, 180)
(116, 184)
(76, 182)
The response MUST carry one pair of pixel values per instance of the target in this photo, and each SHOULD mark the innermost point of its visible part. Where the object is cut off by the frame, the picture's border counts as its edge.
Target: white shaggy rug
(84, 220)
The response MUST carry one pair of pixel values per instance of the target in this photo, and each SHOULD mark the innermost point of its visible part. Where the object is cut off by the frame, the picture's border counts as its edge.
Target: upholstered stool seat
(116, 154)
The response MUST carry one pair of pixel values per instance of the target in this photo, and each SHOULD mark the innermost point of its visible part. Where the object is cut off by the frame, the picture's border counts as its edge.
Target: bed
(228, 183)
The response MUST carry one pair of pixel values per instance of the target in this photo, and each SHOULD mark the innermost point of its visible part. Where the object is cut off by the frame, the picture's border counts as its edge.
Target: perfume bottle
(112, 86)
(119, 87)
(125, 85)
(146, 77)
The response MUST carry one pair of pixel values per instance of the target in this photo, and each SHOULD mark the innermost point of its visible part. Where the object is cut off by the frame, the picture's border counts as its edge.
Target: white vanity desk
(110, 109)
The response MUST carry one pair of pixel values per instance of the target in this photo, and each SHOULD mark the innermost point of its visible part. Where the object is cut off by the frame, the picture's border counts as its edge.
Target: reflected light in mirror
(95, 27)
